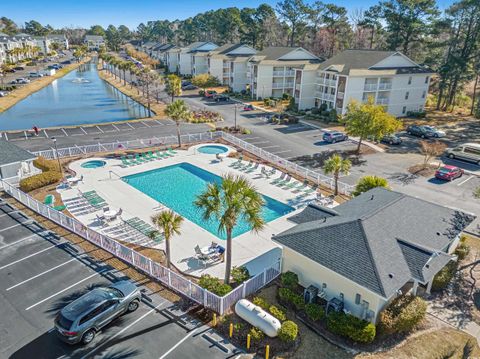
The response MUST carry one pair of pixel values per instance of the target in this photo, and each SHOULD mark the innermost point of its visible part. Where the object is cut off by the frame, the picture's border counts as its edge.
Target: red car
(448, 173)
(248, 108)
(210, 93)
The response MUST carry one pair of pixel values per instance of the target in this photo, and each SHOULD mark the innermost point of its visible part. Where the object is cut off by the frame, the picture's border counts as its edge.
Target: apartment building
(172, 59)
(271, 72)
(44, 43)
(228, 63)
(15, 48)
(193, 58)
(391, 78)
(94, 42)
(59, 39)
(160, 52)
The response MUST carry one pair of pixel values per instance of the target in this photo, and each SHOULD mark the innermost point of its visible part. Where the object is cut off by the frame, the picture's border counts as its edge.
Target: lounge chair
(284, 182)
(125, 162)
(311, 190)
(301, 187)
(139, 159)
(246, 167)
(292, 185)
(172, 151)
(49, 200)
(253, 168)
(279, 179)
(236, 163)
(59, 208)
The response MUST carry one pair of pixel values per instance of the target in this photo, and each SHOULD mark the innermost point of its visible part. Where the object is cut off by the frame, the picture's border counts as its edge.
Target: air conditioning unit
(310, 294)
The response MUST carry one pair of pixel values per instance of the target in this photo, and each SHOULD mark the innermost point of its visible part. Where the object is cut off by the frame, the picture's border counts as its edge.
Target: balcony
(226, 74)
(289, 84)
(278, 73)
(340, 95)
(331, 83)
(385, 86)
(339, 110)
(370, 87)
(281, 85)
(226, 65)
(382, 101)
(325, 96)
(290, 73)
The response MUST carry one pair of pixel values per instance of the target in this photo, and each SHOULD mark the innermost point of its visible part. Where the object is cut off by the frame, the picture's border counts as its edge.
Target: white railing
(144, 264)
(370, 87)
(313, 176)
(385, 86)
(382, 101)
(277, 85)
(278, 73)
(289, 73)
(289, 84)
(331, 83)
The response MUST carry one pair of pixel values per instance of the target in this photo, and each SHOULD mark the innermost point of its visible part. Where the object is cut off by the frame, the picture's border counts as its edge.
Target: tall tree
(178, 112)
(228, 202)
(8, 26)
(336, 166)
(254, 24)
(408, 22)
(294, 13)
(369, 120)
(35, 28)
(372, 19)
(96, 30)
(124, 33)
(113, 38)
(173, 86)
(168, 223)
(366, 183)
(336, 23)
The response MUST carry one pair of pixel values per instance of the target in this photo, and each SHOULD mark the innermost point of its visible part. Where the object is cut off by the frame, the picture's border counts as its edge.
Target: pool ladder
(116, 174)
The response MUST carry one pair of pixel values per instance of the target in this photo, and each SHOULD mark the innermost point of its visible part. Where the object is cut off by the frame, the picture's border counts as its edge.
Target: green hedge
(289, 279)
(256, 334)
(277, 313)
(214, 285)
(442, 278)
(351, 327)
(289, 296)
(261, 302)
(37, 181)
(240, 274)
(314, 311)
(288, 332)
(403, 315)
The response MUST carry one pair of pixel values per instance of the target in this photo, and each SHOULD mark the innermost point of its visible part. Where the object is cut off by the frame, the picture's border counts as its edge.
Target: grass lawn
(442, 343)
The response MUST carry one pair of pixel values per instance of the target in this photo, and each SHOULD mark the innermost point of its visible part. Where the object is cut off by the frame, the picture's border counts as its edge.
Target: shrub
(289, 296)
(314, 311)
(201, 93)
(261, 302)
(403, 314)
(277, 313)
(256, 334)
(37, 181)
(46, 165)
(444, 277)
(349, 326)
(214, 285)
(289, 280)
(288, 331)
(240, 274)
(462, 250)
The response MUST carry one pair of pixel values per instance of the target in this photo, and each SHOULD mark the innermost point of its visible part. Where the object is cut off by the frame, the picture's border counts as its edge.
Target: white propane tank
(257, 317)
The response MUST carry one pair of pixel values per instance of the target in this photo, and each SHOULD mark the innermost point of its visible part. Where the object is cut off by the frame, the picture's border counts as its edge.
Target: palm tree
(169, 223)
(233, 199)
(174, 86)
(336, 165)
(178, 111)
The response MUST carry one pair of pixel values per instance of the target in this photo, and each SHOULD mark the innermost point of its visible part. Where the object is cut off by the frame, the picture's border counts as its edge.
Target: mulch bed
(422, 170)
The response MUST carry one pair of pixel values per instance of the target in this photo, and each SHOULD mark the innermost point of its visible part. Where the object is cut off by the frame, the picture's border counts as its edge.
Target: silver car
(80, 320)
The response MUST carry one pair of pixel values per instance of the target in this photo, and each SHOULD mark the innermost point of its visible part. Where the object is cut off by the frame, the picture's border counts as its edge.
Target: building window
(358, 297)
(404, 109)
(424, 94)
(426, 79)
(410, 80)
(324, 285)
(342, 297)
(406, 95)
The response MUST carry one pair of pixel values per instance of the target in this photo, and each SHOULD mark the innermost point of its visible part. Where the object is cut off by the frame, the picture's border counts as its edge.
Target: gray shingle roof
(362, 242)
(312, 213)
(9, 153)
(364, 59)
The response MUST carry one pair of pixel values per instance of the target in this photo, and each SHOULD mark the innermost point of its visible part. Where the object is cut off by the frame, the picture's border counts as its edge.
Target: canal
(80, 97)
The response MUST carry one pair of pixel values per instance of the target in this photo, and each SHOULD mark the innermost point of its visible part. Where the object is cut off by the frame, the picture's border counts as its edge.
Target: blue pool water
(213, 149)
(93, 164)
(80, 97)
(178, 186)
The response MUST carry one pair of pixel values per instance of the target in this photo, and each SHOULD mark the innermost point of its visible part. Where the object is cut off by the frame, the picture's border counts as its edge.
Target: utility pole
(56, 155)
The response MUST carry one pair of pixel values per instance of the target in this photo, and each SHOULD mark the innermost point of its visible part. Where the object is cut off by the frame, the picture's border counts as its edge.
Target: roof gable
(9, 153)
(395, 60)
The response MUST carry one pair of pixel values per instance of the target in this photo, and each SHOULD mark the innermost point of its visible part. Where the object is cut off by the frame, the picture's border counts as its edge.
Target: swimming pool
(212, 149)
(93, 164)
(178, 186)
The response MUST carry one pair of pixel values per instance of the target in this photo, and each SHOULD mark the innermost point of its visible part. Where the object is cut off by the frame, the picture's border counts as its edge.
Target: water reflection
(69, 101)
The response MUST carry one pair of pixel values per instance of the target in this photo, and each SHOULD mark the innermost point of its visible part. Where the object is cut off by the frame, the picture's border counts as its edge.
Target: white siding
(396, 60)
(185, 63)
(312, 273)
(307, 90)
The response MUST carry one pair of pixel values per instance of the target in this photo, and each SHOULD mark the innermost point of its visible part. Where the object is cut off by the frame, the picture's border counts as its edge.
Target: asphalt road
(40, 273)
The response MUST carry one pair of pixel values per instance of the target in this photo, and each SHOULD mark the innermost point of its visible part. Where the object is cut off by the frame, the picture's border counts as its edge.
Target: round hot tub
(93, 164)
(213, 149)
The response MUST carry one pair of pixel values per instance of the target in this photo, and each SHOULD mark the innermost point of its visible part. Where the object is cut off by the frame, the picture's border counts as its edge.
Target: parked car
(189, 87)
(468, 152)
(391, 139)
(11, 70)
(448, 173)
(434, 132)
(19, 68)
(21, 80)
(186, 83)
(419, 131)
(248, 108)
(210, 93)
(334, 136)
(221, 98)
(80, 320)
(35, 74)
(3, 93)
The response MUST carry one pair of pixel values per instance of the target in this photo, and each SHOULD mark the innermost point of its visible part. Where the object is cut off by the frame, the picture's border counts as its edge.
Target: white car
(35, 74)
(22, 80)
(3, 94)
(434, 132)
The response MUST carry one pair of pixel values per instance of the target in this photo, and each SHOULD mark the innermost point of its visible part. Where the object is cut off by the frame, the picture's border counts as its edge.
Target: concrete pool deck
(256, 251)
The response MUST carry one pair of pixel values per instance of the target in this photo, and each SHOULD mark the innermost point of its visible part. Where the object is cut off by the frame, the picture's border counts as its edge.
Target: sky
(85, 13)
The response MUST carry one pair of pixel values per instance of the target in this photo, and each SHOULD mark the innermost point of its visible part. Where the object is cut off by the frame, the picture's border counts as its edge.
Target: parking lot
(41, 273)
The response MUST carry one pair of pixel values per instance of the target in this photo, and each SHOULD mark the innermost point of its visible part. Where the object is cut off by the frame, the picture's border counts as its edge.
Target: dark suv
(221, 98)
(80, 320)
(419, 131)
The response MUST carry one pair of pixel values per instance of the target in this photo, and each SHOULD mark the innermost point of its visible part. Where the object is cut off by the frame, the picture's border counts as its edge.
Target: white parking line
(65, 132)
(18, 241)
(99, 129)
(29, 256)
(465, 180)
(7, 228)
(145, 124)
(45, 132)
(121, 331)
(39, 274)
(116, 127)
(180, 342)
(284, 151)
(259, 142)
(63, 290)
(270, 147)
